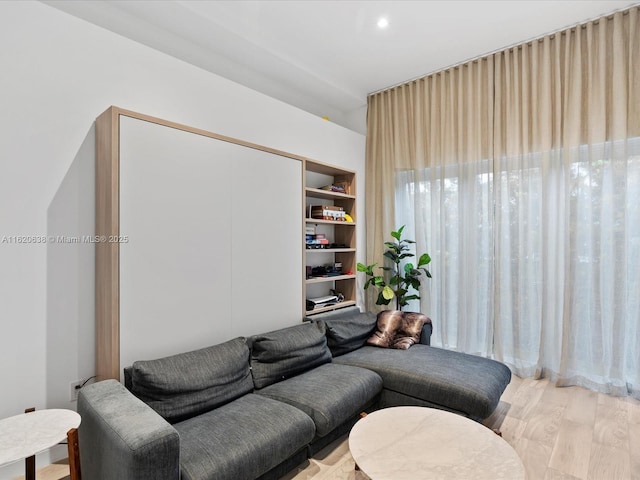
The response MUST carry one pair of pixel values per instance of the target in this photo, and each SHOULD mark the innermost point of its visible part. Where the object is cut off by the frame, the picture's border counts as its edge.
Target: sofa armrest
(425, 335)
(122, 438)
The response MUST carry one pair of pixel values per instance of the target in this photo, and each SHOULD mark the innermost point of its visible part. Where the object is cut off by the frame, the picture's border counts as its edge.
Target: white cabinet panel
(266, 257)
(175, 266)
(210, 240)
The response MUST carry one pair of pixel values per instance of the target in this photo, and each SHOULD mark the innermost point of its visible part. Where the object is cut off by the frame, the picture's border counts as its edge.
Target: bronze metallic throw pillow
(396, 329)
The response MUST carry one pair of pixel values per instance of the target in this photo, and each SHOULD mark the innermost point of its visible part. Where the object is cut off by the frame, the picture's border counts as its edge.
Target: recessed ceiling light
(383, 22)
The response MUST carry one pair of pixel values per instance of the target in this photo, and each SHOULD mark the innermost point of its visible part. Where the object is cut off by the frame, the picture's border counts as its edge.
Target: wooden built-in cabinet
(342, 233)
(202, 238)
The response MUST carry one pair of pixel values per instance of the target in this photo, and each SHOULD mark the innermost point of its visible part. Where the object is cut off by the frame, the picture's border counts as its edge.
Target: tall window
(519, 174)
(536, 260)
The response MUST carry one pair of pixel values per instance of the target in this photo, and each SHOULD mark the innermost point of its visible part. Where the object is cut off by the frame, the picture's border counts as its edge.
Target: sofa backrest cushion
(348, 333)
(188, 384)
(284, 353)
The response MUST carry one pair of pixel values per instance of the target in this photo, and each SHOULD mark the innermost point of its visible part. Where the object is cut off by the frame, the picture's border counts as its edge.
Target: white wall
(58, 74)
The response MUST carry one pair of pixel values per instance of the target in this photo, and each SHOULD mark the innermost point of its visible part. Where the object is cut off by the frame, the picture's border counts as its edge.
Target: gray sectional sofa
(256, 408)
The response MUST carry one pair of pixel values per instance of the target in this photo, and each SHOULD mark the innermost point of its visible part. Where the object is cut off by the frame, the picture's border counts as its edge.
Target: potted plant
(400, 280)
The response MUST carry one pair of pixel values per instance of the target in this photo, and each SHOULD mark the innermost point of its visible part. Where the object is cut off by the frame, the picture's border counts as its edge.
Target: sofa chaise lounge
(256, 408)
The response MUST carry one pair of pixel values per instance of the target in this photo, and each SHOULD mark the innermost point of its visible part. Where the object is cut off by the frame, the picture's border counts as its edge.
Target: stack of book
(338, 187)
(327, 212)
(317, 239)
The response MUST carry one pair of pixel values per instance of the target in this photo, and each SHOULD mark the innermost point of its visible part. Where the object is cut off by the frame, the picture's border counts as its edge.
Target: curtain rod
(561, 31)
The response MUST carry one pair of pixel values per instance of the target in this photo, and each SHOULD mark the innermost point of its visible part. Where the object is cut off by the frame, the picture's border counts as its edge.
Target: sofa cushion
(330, 394)
(347, 333)
(187, 384)
(457, 381)
(242, 439)
(285, 353)
(397, 329)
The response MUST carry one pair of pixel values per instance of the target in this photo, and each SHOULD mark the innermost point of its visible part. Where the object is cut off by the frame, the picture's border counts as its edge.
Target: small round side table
(24, 435)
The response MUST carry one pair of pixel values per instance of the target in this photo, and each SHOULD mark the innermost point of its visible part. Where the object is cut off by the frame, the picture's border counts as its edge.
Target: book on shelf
(317, 238)
(335, 216)
(327, 212)
(318, 241)
(338, 187)
(326, 207)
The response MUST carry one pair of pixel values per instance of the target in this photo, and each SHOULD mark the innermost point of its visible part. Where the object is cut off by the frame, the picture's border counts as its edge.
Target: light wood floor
(560, 434)
(567, 433)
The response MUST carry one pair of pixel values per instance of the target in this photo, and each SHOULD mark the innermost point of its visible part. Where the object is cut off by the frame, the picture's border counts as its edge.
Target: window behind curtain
(536, 259)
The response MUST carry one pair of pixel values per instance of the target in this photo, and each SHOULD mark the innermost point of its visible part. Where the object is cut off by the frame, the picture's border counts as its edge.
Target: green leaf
(378, 281)
(387, 293)
(397, 234)
(411, 297)
(391, 255)
(408, 267)
(426, 272)
(381, 300)
(425, 259)
(395, 249)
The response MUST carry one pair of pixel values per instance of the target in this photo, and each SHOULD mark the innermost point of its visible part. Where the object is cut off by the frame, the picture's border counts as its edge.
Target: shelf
(327, 195)
(328, 222)
(326, 169)
(346, 303)
(329, 250)
(341, 233)
(328, 279)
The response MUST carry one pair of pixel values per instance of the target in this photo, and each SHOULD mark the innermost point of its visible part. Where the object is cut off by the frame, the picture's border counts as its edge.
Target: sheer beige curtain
(444, 119)
(566, 182)
(520, 174)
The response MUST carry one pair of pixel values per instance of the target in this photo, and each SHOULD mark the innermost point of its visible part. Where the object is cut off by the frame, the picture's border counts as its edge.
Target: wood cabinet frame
(344, 232)
(107, 254)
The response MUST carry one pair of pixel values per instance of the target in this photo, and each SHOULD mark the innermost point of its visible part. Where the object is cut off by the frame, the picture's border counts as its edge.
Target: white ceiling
(325, 57)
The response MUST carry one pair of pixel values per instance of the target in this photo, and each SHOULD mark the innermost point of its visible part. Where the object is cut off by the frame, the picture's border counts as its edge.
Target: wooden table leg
(74, 454)
(30, 462)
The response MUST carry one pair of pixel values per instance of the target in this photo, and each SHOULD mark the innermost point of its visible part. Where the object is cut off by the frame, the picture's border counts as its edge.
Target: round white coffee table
(24, 435)
(417, 443)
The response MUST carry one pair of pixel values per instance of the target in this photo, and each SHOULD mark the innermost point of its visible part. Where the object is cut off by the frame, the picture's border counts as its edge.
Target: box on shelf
(327, 212)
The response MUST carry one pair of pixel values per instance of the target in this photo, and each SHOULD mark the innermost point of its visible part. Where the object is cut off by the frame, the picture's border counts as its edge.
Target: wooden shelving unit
(317, 175)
